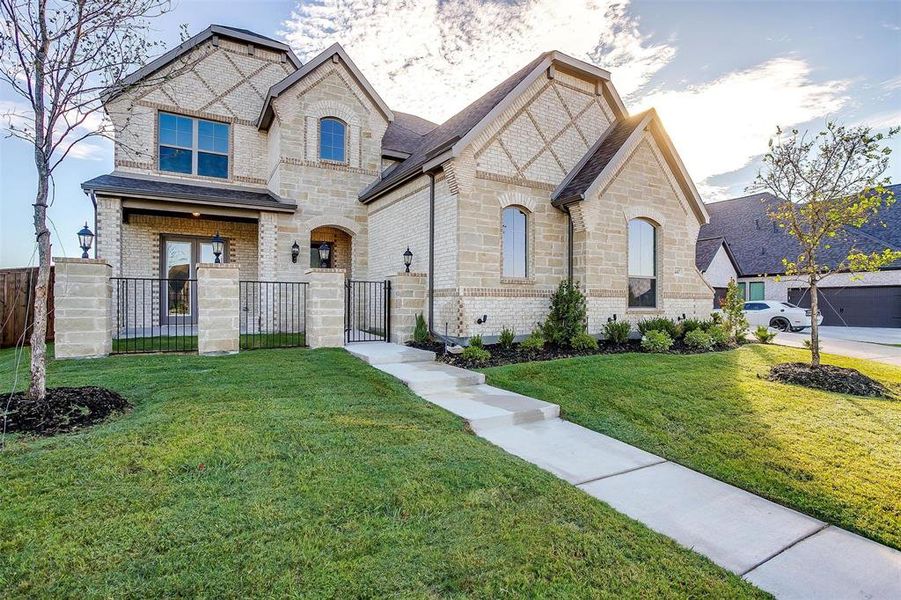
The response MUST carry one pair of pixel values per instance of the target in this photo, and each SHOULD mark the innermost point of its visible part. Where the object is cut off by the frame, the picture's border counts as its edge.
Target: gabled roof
(609, 152)
(706, 249)
(759, 246)
(334, 50)
(172, 191)
(191, 43)
(405, 133)
(452, 135)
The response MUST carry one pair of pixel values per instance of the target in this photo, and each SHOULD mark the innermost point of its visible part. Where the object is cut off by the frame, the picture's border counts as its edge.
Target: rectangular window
(642, 264)
(193, 146)
(755, 290)
(741, 291)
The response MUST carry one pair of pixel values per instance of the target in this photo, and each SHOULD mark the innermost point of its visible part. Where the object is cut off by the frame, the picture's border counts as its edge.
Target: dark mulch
(829, 378)
(66, 409)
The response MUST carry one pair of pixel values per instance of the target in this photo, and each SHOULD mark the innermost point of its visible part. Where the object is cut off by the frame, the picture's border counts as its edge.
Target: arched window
(332, 135)
(642, 264)
(515, 242)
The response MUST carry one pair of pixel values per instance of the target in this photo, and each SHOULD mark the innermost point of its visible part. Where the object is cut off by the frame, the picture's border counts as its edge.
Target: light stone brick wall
(108, 237)
(325, 308)
(408, 299)
(82, 292)
(267, 238)
(217, 309)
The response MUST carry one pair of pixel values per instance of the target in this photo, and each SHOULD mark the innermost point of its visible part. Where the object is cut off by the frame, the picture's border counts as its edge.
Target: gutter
(431, 292)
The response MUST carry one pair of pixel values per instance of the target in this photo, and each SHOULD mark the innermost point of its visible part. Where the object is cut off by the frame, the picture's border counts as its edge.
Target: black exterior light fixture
(408, 259)
(218, 245)
(85, 239)
(295, 252)
(324, 252)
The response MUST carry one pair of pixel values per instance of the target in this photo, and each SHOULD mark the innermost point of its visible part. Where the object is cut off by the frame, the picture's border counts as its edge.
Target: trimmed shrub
(476, 341)
(534, 343)
(734, 321)
(505, 340)
(476, 355)
(663, 324)
(764, 335)
(688, 325)
(567, 316)
(421, 331)
(716, 318)
(718, 335)
(583, 342)
(698, 339)
(617, 332)
(656, 341)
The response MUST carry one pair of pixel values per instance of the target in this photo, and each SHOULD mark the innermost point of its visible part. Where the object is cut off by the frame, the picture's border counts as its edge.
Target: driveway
(875, 335)
(880, 344)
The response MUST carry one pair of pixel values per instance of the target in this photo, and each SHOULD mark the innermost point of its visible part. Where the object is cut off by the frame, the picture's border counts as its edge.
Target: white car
(779, 315)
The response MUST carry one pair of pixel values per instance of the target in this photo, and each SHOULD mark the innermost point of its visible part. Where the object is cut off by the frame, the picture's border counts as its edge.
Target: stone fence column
(218, 309)
(408, 299)
(82, 295)
(325, 308)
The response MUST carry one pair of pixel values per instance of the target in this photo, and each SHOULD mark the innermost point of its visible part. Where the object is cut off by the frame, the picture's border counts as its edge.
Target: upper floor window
(642, 264)
(193, 146)
(332, 134)
(515, 242)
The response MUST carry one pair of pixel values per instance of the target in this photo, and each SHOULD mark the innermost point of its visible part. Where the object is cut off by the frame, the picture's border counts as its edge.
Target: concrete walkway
(889, 355)
(778, 549)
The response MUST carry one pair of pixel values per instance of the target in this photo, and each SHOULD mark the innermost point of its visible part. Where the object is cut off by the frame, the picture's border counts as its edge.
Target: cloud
(721, 126)
(881, 120)
(433, 57)
(18, 114)
(892, 84)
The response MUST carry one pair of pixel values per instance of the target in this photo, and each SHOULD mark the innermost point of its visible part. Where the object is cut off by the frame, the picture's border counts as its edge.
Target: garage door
(855, 306)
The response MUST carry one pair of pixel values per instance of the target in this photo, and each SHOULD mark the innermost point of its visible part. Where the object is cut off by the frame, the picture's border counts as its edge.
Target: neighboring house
(742, 242)
(545, 176)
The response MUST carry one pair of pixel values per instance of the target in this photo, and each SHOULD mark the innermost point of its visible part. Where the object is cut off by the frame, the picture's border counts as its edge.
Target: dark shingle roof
(405, 132)
(759, 247)
(159, 189)
(451, 130)
(599, 157)
(705, 250)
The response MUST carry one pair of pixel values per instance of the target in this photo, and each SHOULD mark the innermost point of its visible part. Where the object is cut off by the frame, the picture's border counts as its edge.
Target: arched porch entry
(341, 244)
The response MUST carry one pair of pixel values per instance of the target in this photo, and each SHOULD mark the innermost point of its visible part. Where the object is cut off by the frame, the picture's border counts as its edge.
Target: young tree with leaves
(827, 185)
(60, 57)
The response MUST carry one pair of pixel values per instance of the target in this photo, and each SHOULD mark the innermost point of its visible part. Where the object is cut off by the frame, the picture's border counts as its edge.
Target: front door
(179, 258)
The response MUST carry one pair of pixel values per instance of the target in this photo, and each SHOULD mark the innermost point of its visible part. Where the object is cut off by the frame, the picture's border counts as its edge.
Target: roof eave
(196, 199)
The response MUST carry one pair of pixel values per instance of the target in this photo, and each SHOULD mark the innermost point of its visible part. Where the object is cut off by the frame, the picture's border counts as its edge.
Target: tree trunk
(814, 327)
(37, 390)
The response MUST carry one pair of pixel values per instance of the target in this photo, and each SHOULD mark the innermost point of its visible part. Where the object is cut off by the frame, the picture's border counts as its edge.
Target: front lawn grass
(304, 473)
(833, 456)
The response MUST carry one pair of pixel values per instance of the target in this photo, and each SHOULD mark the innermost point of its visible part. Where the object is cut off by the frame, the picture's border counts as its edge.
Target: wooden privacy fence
(16, 310)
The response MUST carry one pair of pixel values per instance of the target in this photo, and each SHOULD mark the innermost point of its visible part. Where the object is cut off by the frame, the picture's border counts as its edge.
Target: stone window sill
(518, 280)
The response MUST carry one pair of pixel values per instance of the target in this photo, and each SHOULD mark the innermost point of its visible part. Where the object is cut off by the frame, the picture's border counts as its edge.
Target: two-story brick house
(546, 176)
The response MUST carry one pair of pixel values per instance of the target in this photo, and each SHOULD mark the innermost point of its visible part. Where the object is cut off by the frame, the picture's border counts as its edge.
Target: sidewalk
(890, 355)
(778, 549)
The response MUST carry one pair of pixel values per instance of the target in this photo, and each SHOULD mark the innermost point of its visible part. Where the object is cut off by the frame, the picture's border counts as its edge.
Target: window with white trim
(515, 226)
(642, 264)
(332, 139)
(193, 146)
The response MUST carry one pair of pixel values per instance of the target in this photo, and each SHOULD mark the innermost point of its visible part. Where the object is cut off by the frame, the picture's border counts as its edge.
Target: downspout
(431, 175)
(569, 244)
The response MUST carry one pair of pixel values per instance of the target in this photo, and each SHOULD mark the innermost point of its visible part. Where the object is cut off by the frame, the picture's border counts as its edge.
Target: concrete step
(569, 451)
(383, 353)
(485, 407)
(429, 377)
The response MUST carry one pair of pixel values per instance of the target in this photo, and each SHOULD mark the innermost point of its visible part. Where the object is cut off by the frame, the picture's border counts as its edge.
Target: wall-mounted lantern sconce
(295, 252)
(613, 319)
(482, 320)
(85, 239)
(218, 245)
(324, 252)
(408, 259)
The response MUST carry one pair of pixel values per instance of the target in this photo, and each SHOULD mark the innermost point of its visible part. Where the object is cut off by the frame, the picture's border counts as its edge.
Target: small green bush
(689, 325)
(718, 335)
(656, 341)
(663, 324)
(617, 332)
(567, 316)
(764, 335)
(421, 331)
(716, 318)
(506, 338)
(698, 339)
(534, 343)
(476, 341)
(476, 355)
(583, 342)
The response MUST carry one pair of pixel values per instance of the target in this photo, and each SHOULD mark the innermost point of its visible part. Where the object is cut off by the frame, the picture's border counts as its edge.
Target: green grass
(188, 343)
(305, 474)
(833, 456)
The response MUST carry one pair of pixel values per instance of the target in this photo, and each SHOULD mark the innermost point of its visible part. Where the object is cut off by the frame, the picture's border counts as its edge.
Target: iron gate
(154, 315)
(273, 314)
(367, 311)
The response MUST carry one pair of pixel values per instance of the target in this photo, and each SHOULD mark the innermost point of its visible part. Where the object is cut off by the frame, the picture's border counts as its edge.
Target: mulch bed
(829, 378)
(66, 409)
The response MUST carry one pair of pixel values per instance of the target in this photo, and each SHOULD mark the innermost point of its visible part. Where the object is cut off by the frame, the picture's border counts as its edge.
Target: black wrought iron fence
(154, 315)
(273, 314)
(367, 316)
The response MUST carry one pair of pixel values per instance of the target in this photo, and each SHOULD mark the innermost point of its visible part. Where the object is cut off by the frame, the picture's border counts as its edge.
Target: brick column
(108, 241)
(408, 299)
(82, 298)
(325, 308)
(218, 310)
(267, 257)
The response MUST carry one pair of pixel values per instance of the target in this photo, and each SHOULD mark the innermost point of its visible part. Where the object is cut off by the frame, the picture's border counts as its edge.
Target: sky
(721, 74)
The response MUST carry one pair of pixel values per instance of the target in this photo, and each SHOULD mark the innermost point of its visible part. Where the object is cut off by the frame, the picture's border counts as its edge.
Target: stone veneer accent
(218, 311)
(82, 294)
(408, 299)
(325, 308)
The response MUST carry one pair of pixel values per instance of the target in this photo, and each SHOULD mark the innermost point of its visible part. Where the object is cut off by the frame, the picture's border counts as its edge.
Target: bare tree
(827, 186)
(61, 57)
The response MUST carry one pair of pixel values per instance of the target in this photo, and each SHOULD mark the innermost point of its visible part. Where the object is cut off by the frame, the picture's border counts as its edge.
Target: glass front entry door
(179, 259)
